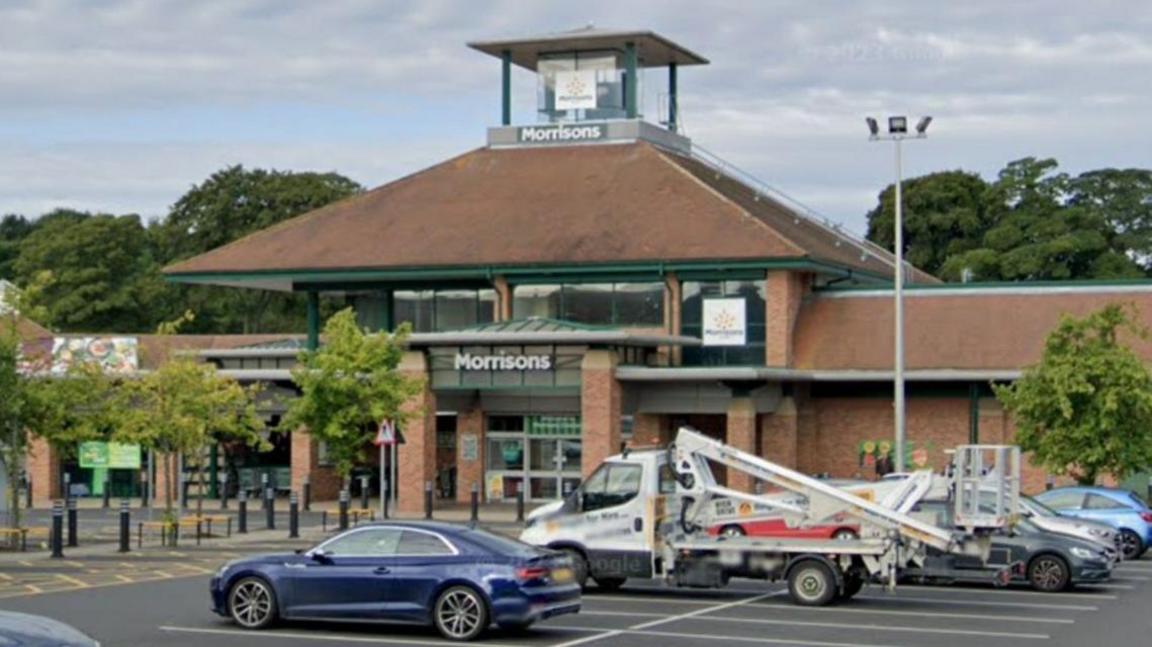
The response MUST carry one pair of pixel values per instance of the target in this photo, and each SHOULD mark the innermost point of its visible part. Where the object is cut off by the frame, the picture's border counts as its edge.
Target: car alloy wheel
(732, 531)
(460, 613)
(1048, 573)
(844, 535)
(252, 604)
(1130, 544)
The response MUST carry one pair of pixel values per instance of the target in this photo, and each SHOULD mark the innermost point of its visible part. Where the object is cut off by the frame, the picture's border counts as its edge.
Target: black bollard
(72, 539)
(242, 512)
(519, 503)
(107, 492)
(184, 492)
(384, 500)
(475, 517)
(307, 493)
(293, 517)
(363, 492)
(58, 529)
(344, 509)
(224, 491)
(125, 526)
(144, 490)
(427, 499)
(264, 486)
(28, 493)
(270, 509)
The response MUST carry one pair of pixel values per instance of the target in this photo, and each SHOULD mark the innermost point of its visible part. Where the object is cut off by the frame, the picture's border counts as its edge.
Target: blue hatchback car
(1120, 509)
(458, 579)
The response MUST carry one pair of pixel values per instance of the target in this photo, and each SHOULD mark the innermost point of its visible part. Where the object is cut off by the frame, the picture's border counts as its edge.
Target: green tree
(13, 230)
(347, 387)
(1123, 199)
(229, 205)
(944, 215)
(1086, 408)
(104, 275)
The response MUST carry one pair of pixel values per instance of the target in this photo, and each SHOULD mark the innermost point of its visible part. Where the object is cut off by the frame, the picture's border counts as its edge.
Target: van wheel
(609, 584)
(1049, 573)
(811, 583)
(579, 566)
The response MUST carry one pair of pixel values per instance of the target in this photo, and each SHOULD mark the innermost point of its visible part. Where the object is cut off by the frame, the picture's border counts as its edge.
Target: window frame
(400, 529)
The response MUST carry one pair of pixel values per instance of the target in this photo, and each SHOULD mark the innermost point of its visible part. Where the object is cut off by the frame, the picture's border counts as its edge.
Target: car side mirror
(319, 555)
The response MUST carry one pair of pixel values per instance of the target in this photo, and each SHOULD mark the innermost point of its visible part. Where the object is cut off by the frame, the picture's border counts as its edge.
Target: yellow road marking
(78, 583)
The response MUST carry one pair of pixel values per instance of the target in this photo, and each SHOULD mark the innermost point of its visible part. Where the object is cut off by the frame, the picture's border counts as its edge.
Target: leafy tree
(944, 214)
(181, 408)
(229, 205)
(104, 276)
(347, 387)
(1123, 199)
(13, 230)
(1086, 408)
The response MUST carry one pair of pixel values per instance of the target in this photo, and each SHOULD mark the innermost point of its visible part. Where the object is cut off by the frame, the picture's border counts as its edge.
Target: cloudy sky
(121, 106)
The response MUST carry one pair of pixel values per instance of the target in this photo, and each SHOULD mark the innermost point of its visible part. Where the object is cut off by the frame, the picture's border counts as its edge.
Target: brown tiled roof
(983, 329)
(555, 205)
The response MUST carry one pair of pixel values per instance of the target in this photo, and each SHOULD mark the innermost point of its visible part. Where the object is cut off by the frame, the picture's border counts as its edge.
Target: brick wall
(784, 292)
(779, 433)
(417, 455)
(325, 483)
(599, 408)
(469, 423)
(741, 434)
(44, 469)
(650, 429)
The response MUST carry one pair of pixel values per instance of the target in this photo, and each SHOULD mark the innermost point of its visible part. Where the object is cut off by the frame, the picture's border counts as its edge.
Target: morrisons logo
(561, 133)
(470, 362)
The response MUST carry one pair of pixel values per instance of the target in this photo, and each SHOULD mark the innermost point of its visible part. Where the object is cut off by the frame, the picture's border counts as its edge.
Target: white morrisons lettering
(502, 362)
(561, 133)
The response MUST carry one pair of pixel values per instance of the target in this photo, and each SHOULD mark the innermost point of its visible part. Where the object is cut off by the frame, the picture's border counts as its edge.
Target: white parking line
(914, 614)
(1131, 578)
(1104, 587)
(661, 600)
(873, 627)
(314, 636)
(667, 619)
(951, 591)
(710, 638)
(983, 603)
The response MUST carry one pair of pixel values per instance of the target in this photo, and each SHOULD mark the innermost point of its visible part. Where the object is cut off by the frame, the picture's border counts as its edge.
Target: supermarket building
(593, 277)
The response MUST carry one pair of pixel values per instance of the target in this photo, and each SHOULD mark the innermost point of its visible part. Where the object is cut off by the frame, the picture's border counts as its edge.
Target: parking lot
(165, 601)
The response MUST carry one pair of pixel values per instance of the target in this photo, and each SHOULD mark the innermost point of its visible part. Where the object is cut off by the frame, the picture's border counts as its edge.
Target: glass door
(553, 467)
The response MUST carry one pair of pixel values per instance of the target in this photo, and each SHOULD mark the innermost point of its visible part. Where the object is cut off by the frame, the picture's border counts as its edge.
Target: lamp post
(897, 133)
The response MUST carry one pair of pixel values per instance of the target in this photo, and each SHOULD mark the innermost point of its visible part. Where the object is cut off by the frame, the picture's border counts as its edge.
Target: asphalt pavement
(161, 598)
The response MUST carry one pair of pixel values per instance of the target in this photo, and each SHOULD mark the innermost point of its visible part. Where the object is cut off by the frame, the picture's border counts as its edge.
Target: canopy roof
(652, 49)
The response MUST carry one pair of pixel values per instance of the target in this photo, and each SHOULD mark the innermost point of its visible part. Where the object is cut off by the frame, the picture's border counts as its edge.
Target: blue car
(1120, 509)
(458, 579)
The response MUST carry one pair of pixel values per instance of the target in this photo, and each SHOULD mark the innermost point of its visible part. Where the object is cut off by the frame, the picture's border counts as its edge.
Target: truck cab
(606, 525)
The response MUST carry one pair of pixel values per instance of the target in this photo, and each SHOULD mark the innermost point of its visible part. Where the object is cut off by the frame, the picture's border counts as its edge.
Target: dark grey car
(25, 630)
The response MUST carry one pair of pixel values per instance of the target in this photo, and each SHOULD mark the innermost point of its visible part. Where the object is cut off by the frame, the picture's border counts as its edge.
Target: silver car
(1048, 519)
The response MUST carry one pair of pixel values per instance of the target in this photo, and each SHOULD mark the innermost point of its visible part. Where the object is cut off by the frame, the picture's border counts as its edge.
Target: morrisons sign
(561, 133)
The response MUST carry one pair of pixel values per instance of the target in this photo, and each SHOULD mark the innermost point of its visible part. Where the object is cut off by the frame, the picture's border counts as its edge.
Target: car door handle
(638, 524)
(383, 570)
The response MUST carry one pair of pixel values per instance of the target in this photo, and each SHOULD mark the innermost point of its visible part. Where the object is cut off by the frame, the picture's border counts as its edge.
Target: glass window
(619, 485)
(1097, 502)
(505, 454)
(588, 303)
(667, 479)
(536, 301)
(693, 294)
(414, 307)
(455, 309)
(1062, 500)
(374, 542)
(369, 309)
(422, 543)
(640, 304)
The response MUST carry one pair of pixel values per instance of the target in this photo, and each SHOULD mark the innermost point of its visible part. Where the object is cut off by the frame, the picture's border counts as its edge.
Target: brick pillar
(306, 464)
(741, 435)
(784, 291)
(779, 434)
(503, 299)
(672, 295)
(44, 468)
(599, 408)
(650, 429)
(469, 429)
(162, 472)
(417, 456)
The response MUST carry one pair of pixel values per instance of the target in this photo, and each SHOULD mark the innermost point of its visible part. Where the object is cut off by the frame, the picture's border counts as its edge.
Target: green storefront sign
(97, 455)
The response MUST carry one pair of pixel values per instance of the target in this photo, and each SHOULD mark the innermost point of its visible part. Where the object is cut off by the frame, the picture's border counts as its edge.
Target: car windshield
(501, 545)
(1137, 501)
(1041, 509)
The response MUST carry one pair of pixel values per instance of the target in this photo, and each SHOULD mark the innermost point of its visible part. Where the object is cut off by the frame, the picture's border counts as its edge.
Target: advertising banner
(725, 322)
(95, 455)
(113, 354)
(576, 90)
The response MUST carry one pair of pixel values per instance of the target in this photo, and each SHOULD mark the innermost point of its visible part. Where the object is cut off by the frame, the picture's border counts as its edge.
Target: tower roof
(652, 49)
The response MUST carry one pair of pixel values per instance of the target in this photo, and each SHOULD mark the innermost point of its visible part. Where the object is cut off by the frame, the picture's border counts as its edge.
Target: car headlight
(1083, 553)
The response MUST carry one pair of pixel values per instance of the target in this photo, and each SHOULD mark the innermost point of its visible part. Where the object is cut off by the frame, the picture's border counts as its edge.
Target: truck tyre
(609, 584)
(1049, 573)
(579, 566)
(811, 583)
(853, 582)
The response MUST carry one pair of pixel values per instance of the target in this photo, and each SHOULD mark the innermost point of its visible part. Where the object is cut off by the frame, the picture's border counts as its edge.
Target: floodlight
(923, 124)
(897, 125)
(873, 127)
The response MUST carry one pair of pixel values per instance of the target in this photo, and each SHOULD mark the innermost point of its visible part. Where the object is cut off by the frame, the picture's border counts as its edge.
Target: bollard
(344, 509)
(242, 512)
(107, 492)
(323, 521)
(28, 493)
(475, 517)
(184, 491)
(363, 492)
(72, 539)
(143, 489)
(293, 517)
(264, 486)
(125, 526)
(519, 504)
(58, 529)
(224, 491)
(384, 501)
(307, 493)
(270, 509)
(427, 499)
